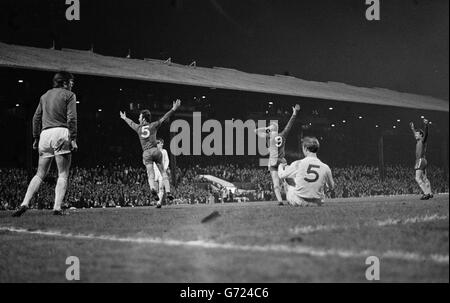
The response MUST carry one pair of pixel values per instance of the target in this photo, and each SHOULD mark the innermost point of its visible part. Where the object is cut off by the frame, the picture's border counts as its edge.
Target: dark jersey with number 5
(146, 133)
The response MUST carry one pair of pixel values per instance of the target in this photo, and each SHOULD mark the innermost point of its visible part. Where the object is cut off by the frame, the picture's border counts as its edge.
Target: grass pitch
(240, 242)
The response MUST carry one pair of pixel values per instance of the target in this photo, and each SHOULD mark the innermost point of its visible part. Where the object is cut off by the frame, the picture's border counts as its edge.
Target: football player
(146, 131)
(163, 185)
(55, 134)
(276, 142)
(420, 166)
(308, 177)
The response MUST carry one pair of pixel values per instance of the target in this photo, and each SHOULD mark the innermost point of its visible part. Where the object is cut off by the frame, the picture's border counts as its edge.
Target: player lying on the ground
(56, 116)
(276, 143)
(147, 131)
(307, 178)
(421, 164)
(162, 184)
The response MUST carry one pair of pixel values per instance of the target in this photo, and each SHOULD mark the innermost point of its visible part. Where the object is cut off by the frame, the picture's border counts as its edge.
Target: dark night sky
(320, 40)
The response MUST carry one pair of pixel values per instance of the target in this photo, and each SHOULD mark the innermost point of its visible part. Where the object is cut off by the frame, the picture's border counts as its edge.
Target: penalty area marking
(298, 249)
(302, 230)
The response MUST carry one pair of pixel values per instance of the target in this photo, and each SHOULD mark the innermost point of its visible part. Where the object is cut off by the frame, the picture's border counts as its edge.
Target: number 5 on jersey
(311, 171)
(145, 132)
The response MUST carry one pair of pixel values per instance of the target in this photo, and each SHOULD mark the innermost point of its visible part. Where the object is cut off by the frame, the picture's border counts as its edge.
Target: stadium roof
(89, 63)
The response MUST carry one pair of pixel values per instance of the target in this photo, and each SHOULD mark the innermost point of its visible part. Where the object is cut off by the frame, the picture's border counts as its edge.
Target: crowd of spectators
(120, 185)
(363, 181)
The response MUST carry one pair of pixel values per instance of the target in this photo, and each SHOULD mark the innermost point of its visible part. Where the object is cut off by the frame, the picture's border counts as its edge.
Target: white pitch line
(423, 219)
(298, 249)
(388, 222)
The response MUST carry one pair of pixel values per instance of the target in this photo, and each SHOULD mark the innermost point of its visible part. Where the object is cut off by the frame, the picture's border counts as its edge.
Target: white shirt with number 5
(310, 176)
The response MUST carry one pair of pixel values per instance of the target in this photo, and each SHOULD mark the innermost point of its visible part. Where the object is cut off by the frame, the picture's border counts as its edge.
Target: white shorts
(294, 200)
(54, 141)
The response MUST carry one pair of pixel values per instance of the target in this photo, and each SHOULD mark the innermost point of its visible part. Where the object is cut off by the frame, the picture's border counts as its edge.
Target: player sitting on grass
(421, 137)
(147, 131)
(307, 178)
(162, 184)
(277, 142)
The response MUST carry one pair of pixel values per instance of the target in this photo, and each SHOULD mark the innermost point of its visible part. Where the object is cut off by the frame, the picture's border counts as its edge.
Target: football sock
(428, 186)
(151, 178)
(32, 189)
(60, 192)
(277, 191)
(422, 186)
(151, 183)
(166, 184)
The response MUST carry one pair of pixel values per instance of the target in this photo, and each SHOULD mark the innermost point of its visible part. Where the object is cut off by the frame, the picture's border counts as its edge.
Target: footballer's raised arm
(291, 121)
(411, 126)
(175, 106)
(425, 131)
(130, 122)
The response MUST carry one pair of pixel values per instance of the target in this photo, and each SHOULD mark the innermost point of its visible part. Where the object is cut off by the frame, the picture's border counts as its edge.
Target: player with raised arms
(147, 131)
(308, 177)
(276, 143)
(55, 134)
(162, 185)
(420, 166)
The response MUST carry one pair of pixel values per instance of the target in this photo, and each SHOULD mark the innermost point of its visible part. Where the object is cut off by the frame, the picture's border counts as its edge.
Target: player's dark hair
(146, 115)
(159, 140)
(62, 78)
(311, 144)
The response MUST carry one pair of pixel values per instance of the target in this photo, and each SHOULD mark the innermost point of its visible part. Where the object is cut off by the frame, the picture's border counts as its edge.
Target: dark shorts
(421, 164)
(152, 155)
(278, 162)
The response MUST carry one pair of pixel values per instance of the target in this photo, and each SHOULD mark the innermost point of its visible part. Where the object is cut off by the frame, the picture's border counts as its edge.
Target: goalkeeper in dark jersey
(277, 142)
(147, 131)
(55, 134)
(421, 164)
